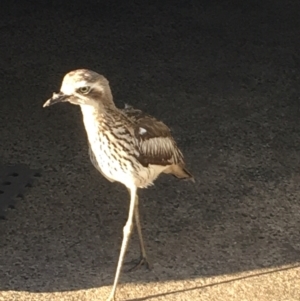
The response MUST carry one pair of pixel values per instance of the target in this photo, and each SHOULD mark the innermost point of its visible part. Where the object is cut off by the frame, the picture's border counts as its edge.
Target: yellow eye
(85, 89)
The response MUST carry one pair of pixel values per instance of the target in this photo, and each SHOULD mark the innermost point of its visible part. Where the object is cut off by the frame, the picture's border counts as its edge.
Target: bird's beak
(56, 97)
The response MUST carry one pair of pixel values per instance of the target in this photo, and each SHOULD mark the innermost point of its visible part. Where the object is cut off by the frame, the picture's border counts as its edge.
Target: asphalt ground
(225, 78)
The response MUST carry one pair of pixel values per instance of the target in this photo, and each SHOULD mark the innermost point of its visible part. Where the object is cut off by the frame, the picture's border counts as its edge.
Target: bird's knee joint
(127, 228)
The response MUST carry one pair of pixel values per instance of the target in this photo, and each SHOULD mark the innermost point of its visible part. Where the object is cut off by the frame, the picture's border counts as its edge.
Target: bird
(125, 145)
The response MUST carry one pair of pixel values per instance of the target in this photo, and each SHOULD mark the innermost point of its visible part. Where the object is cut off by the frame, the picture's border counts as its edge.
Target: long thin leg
(143, 257)
(126, 235)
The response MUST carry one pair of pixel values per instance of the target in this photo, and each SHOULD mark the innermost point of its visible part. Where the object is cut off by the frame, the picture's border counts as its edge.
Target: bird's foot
(143, 261)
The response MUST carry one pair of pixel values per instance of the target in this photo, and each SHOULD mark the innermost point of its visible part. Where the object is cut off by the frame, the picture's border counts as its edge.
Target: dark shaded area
(223, 76)
(14, 179)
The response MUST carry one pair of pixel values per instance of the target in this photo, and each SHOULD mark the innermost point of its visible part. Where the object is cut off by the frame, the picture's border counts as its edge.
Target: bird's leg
(126, 235)
(143, 257)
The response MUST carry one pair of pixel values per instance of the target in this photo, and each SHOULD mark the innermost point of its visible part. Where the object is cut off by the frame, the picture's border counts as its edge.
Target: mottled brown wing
(155, 142)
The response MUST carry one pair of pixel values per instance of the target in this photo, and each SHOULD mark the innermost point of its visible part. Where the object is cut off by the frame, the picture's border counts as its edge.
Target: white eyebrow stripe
(81, 84)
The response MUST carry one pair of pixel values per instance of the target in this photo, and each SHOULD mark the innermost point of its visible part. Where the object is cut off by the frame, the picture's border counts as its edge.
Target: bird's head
(83, 87)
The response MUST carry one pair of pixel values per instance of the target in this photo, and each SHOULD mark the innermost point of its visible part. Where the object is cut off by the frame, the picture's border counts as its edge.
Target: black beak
(56, 97)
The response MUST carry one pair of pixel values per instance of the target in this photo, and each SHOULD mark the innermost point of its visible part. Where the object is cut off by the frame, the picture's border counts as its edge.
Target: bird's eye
(85, 89)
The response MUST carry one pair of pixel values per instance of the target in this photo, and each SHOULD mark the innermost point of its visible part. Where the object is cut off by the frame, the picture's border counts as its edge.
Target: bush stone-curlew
(127, 146)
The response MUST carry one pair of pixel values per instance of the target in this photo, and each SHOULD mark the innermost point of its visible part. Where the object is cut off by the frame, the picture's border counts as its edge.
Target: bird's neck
(107, 98)
(95, 117)
(92, 111)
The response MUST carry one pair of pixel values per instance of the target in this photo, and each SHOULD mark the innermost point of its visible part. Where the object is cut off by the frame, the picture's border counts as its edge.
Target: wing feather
(154, 140)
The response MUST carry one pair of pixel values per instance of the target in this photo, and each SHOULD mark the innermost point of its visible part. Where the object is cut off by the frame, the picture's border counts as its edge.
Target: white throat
(91, 121)
(88, 110)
